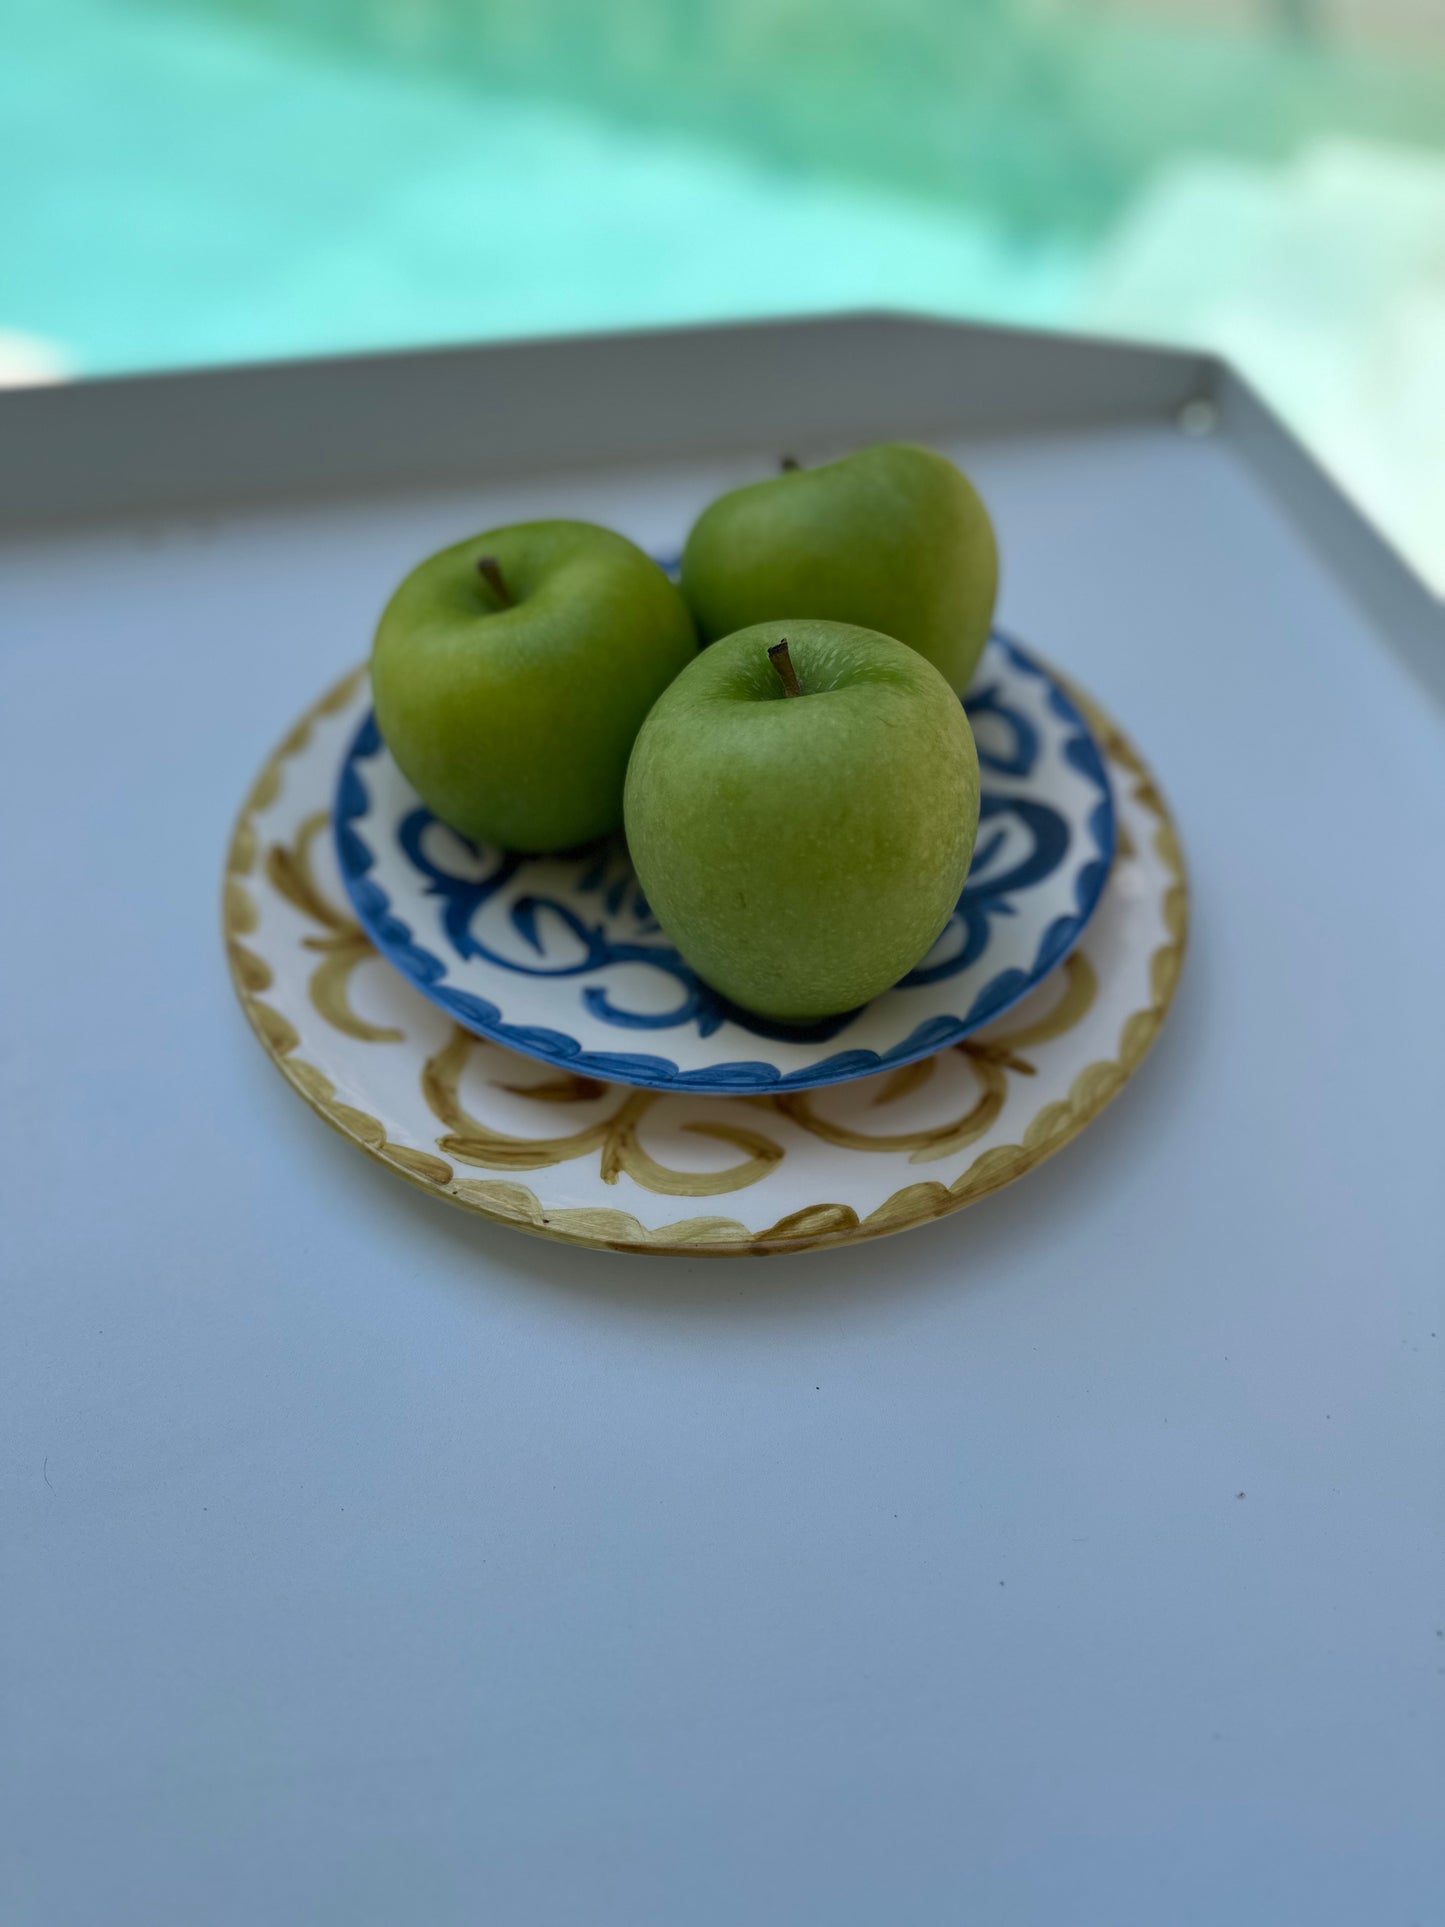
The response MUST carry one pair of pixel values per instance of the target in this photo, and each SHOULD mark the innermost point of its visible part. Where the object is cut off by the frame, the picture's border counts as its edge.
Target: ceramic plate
(567, 1155)
(560, 957)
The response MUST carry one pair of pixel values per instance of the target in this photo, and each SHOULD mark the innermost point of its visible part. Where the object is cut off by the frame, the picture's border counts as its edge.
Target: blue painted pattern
(583, 922)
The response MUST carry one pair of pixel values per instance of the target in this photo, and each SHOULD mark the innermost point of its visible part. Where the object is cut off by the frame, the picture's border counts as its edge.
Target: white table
(1074, 1562)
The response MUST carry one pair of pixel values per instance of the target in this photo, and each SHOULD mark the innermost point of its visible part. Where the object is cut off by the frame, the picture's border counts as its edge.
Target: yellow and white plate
(610, 1165)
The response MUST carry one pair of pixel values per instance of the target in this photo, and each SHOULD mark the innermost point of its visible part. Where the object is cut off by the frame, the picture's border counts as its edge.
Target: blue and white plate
(559, 957)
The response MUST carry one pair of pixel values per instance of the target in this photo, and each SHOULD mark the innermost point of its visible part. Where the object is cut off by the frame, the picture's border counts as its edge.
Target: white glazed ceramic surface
(607, 1164)
(562, 958)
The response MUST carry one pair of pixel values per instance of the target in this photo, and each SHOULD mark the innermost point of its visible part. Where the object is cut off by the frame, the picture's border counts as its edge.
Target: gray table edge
(204, 440)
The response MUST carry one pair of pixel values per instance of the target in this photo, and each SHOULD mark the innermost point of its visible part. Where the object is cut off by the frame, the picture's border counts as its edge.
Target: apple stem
(780, 659)
(789, 463)
(489, 569)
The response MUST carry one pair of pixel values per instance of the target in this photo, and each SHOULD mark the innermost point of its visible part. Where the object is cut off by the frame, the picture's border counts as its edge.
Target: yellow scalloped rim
(815, 1228)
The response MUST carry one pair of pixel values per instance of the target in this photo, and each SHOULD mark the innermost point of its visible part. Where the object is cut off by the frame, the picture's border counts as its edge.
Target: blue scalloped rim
(394, 938)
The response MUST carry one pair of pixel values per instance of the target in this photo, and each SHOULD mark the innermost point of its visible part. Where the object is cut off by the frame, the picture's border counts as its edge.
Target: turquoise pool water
(188, 183)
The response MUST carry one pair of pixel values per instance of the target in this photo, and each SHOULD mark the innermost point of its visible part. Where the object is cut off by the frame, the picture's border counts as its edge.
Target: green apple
(801, 809)
(893, 538)
(512, 672)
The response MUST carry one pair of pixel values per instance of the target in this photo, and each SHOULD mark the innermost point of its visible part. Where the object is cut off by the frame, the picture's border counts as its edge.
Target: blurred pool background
(190, 181)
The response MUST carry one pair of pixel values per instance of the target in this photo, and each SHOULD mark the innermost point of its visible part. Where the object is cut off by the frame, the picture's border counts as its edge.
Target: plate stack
(518, 1035)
